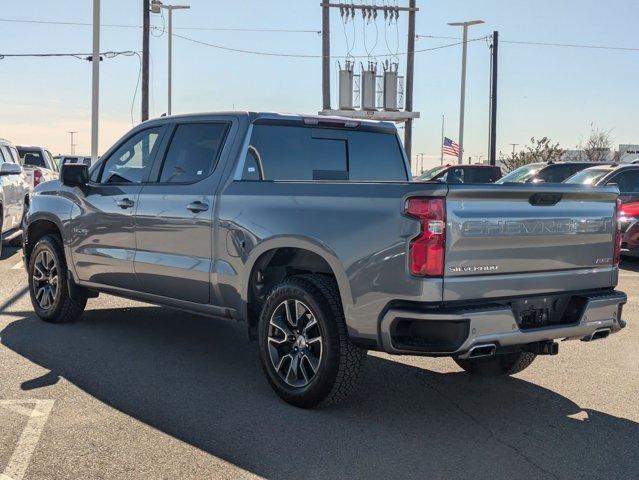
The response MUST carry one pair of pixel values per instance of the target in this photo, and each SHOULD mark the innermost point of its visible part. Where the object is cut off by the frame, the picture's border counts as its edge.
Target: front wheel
(48, 286)
(504, 364)
(304, 346)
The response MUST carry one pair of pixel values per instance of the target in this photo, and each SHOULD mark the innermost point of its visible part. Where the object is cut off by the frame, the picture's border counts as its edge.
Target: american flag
(450, 147)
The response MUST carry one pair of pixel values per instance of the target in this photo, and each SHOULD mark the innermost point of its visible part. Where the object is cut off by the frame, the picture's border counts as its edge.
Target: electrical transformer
(346, 86)
(368, 86)
(390, 89)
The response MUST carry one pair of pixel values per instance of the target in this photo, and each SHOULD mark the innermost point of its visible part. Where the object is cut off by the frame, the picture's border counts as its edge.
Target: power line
(79, 56)
(547, 44)
(117, 25)
(573, 45)
(303, 55)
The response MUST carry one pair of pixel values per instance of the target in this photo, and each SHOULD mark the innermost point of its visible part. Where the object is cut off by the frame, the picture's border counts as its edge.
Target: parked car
(64, 159)
(626, 178)
(310, 231)
(15, 190)
(38, 163)
(548, 172)
(462, 174)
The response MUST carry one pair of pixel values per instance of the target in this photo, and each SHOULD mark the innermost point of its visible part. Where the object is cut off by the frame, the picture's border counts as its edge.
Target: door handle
(125, 203)
(198, 206)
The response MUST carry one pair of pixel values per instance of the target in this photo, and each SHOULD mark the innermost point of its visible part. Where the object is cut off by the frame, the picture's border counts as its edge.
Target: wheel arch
(278, 258)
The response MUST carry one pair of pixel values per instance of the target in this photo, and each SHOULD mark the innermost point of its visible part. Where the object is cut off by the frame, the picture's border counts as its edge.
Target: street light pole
(170, 8)
(462, 101)
(72, 144)
(95, 81)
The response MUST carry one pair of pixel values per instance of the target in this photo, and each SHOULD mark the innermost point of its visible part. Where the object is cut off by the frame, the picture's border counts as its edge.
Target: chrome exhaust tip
(479, 351)
(598, 334)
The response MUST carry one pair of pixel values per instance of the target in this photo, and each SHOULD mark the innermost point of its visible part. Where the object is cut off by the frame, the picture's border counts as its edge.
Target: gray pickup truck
(309, 230)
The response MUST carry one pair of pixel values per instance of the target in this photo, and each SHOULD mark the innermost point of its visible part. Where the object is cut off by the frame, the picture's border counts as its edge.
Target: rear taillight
(629, 210)
(37, 177)
(426, 254)
(617, 253)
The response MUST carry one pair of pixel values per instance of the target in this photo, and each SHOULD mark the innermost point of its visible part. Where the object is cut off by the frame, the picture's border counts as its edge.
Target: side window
(2, 160)
(6, 153)
(628, 181)
(14, 154)
(193, 153)
(132, 162)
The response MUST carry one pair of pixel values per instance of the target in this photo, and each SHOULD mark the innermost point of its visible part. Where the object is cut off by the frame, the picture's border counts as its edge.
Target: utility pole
(72, 144)
(513, 145)
(494, 57)
(410, 70)
(95, 80)
(462, 101)
(326, 57)
(158, 4)
(146, 21)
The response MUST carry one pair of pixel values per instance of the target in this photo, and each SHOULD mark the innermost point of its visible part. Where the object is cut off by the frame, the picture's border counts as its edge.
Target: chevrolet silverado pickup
(309, 230)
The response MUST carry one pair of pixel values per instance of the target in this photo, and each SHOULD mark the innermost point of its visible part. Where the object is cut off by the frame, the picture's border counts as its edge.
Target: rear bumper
(455, 332)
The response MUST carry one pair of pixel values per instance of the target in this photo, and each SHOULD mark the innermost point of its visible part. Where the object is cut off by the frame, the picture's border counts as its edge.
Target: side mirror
(74, 175)
(10, 169)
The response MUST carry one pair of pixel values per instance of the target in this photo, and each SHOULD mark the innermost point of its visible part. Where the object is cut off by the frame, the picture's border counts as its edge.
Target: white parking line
(18, 266)
(38, 415)
(629, 274)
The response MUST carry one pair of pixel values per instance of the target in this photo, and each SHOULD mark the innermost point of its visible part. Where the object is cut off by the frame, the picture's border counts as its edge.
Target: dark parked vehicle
(548, 172)
(462, 174)
(626, 178)
(310, 231)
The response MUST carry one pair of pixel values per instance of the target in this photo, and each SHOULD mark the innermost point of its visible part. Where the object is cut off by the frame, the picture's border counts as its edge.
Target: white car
(38, 163)
(15, 191)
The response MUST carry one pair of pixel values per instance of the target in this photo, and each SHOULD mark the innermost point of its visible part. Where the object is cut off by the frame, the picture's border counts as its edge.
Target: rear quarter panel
(358, 228)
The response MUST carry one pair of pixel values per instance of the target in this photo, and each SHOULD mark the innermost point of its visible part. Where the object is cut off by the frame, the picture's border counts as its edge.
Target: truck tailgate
(528, 239)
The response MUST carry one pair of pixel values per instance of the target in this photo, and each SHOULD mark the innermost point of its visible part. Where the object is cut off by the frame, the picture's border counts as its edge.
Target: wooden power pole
(410, 69)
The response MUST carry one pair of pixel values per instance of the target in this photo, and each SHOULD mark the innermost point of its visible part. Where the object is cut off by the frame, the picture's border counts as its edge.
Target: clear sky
(544, 91)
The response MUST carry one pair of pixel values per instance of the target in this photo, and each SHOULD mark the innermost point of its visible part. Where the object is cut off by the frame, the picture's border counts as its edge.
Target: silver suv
(15, 190)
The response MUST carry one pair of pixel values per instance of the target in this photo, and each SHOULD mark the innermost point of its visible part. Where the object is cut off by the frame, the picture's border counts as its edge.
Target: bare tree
(539, 150)
(597, 146)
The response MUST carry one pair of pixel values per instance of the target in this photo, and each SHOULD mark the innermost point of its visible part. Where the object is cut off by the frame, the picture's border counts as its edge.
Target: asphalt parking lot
(137, 391)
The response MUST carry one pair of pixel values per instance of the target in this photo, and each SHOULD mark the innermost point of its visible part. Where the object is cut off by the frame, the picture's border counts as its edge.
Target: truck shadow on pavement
(200, 381)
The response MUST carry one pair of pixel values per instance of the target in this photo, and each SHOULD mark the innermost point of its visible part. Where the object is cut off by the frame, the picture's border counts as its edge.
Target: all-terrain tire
(341, 360)
(64, 307)
(505, 364)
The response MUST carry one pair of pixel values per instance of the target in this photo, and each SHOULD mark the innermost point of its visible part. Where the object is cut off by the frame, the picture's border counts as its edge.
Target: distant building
(628, 153)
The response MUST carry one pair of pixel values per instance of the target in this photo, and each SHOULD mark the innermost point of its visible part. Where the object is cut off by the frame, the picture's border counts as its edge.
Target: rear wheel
(48, 287)
(505, 364)
(304, 346)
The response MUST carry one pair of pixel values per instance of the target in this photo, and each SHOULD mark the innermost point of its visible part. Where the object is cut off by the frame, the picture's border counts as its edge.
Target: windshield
(589, 176)
(521, 174)
(429, 174)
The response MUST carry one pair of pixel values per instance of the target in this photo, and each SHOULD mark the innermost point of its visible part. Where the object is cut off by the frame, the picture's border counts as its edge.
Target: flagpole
(441, 158)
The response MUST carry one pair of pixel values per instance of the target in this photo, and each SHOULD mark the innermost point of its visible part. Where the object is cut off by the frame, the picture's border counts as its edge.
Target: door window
(628, 181)
(193, 153)
(132, 161)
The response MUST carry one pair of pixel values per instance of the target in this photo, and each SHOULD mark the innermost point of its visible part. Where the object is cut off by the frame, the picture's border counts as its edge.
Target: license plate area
(547, 311)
